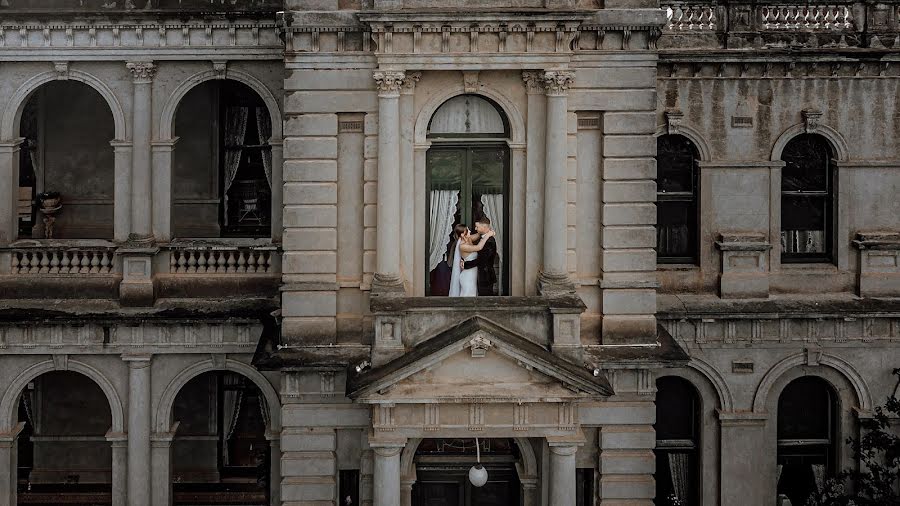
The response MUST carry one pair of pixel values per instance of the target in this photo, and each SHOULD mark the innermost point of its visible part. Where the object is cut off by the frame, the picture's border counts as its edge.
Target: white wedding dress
(463, 283)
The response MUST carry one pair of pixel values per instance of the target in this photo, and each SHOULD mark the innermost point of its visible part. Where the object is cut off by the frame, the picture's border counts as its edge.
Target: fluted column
(387, 265)
(554, 277)
(141, 161)
(562, 475)
(386, 477)
(139, 462)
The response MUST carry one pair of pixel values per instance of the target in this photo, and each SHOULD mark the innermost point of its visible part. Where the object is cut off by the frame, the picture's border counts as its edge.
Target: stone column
(119, 444)
(554, 276)
(141, 170)
(139, 461)
(387, 265)
(386, 478)
(161, 443)
(562, 475)
(274, 467)
(9, 198)
(122, 192)
(9, 452)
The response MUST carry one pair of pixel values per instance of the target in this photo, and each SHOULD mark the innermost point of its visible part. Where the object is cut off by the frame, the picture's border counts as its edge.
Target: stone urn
(51, 204)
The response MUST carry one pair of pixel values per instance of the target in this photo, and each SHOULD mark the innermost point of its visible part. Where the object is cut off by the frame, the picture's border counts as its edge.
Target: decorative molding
(220, 67)
(480, 345)
(811, 120)
(61, 362)
(557, 82)
(470, 81)
(389, 82)
(673, 121)
(142, 72)
(534, 82)
(409, 83)
(62, 70)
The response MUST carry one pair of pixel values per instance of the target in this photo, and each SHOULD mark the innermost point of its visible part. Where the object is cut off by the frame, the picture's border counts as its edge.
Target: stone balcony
(139, 6)
(96, 269)
(736, 24)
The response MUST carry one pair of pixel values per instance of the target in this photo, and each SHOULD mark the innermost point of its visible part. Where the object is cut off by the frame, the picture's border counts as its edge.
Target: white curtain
(803, 241)
(231, 409)
(492, 203)
(235, 133)
(443, 211)
(264, 409)
(679, 468)
(819, 475)
(778, 476)
(28, 401)
(264, 131)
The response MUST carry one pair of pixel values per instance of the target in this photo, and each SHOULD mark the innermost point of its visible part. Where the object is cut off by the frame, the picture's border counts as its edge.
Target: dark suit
(485, 264)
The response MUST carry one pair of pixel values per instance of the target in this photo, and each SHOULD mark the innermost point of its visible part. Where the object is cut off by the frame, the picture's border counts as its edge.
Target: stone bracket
(136, 288)
(879, 263)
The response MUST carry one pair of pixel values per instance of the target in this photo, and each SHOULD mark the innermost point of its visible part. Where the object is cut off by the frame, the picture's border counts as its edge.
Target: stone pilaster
(9, 199)
(554, 276)
(408, 221)
(119, 446)
(162, 188)
(161, 444)
(745, 434)
(141, 169)
(309, 465)
(139, 458)
(535, 135)
(9, 465)
(387, 264)
(274, 467)
(122, 193)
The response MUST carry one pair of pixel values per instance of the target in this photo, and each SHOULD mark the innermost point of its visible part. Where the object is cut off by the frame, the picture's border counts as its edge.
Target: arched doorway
(63, 454)
(67, 127)
(220, 453)
(677, 442)
(467, 177)
(442, 466)
(807, 437)
(222, 163)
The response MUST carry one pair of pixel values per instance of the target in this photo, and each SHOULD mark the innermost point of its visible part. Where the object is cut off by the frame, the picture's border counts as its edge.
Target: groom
(485, 260)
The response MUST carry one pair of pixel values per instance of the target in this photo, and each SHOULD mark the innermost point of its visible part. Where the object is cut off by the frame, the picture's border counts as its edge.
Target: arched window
(222, 163)
(677, 200)
(677, 442)
(468, 180)
(807, 200)
(806, 437)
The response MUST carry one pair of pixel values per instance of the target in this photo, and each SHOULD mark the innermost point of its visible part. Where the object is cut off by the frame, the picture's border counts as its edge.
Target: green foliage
(878, 452)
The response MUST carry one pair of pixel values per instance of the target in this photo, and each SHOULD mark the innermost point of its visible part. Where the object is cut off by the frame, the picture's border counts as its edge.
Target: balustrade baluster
(220, 262)
(231, 262)
(201, 262)
(54, 262)
(241, 262)
(251, 260)
(105, 266)
(34, 262)
(85, 263)
(14, 267)
(45, 263)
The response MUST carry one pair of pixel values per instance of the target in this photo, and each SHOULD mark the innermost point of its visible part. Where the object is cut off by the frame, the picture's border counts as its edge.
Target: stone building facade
(225, 249)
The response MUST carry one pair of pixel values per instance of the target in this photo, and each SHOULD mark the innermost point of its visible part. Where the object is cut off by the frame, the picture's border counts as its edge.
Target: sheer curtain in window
(231, 409)
(443, 211)
(493, 207)
(264, 132)
(235, 133)
(679, 468)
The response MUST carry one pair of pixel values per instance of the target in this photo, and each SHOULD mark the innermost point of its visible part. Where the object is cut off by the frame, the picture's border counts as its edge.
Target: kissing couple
(473, 260)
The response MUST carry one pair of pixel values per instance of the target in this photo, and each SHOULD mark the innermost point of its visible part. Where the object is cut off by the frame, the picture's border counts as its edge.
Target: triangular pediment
(478, 360)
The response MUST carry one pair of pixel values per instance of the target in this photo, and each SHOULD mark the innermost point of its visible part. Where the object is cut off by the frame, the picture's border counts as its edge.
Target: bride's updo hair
(460, 230)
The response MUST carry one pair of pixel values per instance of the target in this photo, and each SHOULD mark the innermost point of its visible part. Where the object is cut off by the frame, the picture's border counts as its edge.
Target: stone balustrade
(222, 260)
(57, 260)
(690, 16)
(806, 17)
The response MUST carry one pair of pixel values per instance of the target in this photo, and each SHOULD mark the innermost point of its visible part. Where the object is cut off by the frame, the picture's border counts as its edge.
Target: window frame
(692, 197)
(829, 196)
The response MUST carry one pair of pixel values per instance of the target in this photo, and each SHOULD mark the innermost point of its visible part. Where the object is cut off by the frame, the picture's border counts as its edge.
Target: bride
(464, 283)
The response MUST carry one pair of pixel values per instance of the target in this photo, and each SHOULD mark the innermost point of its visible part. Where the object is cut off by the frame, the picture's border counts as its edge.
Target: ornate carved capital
(142, 72)
(389, 82)
(534, 82)
(409, 82)
(557, 82)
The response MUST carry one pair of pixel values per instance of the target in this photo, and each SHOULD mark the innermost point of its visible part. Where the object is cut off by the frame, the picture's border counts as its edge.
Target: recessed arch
(12, 115)
(9, 403)
(513, 115)
(724, 398)
(163, 417)
(764, 391)
(167, 119)
(839, 146)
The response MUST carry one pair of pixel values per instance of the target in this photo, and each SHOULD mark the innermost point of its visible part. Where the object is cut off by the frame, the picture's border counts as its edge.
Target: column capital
(409, 83)
(137, 361)
(142, 72)
(565, 451)
(391, 450)
(389, 82)
(558, 82)
(534, 81)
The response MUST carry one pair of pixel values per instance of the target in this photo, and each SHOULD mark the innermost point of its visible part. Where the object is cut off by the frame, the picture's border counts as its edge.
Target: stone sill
(776, 306)
(223, 244)
(392, 305)
(49, 244)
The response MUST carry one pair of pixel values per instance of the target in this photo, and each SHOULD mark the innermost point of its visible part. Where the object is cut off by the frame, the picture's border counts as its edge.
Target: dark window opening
(584, 483)
(806, 438)
(807, 200)
(349, 487)
(677, 200)
(677, 443)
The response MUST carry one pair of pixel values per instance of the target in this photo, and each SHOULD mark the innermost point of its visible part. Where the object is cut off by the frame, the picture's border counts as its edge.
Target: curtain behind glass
(264, 132)
(443, 211)
(235, 133)
(492, 203)
(231, 408)
(679, 468)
